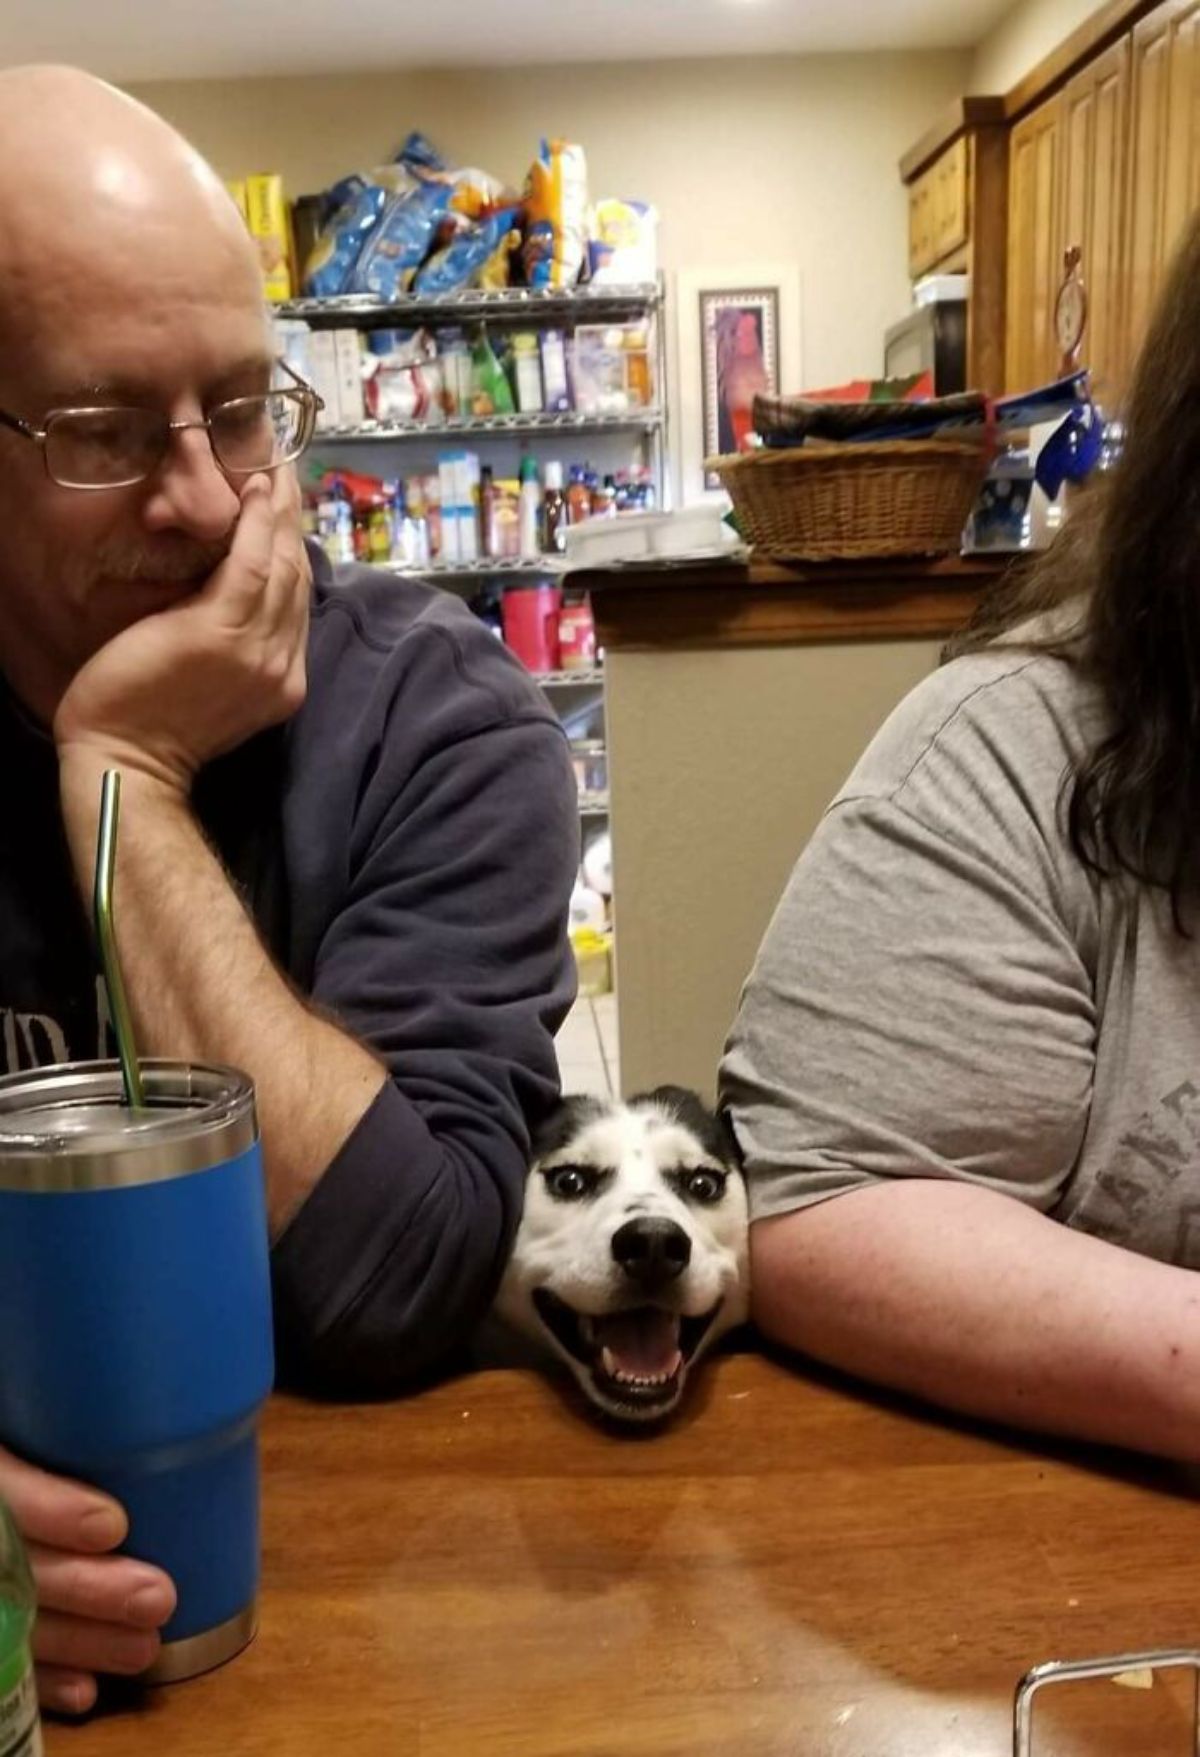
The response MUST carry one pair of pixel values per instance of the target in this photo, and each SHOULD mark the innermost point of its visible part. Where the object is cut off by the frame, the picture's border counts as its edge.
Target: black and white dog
(632, 1253)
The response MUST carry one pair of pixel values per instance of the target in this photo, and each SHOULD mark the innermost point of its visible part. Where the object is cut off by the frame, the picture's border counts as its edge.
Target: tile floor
(587, 1048)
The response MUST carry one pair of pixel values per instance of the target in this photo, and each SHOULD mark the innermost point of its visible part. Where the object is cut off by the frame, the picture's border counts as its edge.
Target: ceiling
(133, 40)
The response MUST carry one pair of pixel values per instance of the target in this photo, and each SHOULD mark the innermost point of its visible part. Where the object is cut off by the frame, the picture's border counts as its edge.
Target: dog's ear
(711, 1128)
(562, 1122)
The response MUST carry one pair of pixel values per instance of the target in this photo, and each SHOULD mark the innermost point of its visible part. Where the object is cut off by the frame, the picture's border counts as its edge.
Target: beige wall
(1022, 39)
(754, 160)
(720, 767)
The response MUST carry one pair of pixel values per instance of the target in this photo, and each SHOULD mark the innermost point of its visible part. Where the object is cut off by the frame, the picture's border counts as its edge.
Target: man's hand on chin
(176, 689)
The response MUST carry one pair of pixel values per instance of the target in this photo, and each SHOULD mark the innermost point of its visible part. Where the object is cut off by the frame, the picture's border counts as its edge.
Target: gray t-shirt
(945, 991)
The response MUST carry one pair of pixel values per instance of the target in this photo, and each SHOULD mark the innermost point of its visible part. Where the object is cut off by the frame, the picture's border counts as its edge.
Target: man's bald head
(95, 186)
(127, 281)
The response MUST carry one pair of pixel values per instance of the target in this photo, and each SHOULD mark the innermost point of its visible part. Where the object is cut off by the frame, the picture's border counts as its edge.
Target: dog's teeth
(608, 1361)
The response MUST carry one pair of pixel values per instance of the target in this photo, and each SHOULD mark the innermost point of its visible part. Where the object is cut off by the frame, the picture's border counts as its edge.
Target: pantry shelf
(593, 805)
(519, 303)
(642, 420)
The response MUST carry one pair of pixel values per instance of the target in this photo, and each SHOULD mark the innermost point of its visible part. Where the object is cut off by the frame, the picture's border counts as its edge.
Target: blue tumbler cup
(135, 1320)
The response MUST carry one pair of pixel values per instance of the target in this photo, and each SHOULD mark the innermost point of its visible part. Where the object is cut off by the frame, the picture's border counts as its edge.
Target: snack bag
(357, 204)
(421, 152)
(400, 242)
(462, 262)
(496, 272)
(478, 195)
(622, 247)
(556, 206)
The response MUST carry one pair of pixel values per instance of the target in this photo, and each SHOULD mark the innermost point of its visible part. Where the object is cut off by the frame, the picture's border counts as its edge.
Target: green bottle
(20, 1730)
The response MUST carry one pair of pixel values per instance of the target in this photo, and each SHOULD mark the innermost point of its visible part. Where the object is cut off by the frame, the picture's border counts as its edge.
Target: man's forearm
(971, 1300)
(202, 986)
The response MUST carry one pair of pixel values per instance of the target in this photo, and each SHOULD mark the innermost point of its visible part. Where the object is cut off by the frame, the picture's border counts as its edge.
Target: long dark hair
(1129, 556)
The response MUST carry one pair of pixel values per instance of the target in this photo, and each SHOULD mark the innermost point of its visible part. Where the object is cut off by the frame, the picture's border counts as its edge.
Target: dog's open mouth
(637, 1357)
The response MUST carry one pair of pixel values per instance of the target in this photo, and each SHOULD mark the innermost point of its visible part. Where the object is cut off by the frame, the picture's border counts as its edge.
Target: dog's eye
(569, 1183)
(703, 1185)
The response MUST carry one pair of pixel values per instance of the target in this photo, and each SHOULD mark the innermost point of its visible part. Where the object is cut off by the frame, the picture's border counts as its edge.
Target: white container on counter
(693, 530)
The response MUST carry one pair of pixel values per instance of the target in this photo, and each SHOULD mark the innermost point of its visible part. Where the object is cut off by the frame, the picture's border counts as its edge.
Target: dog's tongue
(642, 1343)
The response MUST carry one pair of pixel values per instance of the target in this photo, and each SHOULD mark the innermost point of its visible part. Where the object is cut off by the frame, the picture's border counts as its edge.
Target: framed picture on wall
(738, 333)
(739, 360)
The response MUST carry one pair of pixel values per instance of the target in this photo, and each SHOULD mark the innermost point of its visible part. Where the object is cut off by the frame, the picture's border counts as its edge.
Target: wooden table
(795, 1568)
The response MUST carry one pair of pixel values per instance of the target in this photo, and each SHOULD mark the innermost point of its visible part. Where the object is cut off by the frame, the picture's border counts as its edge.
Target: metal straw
(118, 1006)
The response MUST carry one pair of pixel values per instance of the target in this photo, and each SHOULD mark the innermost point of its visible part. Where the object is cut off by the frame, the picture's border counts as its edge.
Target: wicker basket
(825, 502)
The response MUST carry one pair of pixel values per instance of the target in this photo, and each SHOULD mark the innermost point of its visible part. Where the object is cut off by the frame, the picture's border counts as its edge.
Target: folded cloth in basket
(783, 421)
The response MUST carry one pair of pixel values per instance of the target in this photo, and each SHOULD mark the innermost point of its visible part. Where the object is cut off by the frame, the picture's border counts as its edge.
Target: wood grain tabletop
(796, 1567)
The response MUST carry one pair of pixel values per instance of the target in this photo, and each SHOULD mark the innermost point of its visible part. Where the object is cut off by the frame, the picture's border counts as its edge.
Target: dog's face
(632, 1255)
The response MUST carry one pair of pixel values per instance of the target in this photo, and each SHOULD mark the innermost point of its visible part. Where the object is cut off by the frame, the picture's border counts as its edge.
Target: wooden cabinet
(1067, 186)
(1164, 152)
(920, 227)
(937, 211)
(1034, 252)
(1109, 160)
(1095, 114)
(957, 178)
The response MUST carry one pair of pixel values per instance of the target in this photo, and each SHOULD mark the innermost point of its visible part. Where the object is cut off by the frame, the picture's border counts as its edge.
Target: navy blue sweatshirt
(407, 845)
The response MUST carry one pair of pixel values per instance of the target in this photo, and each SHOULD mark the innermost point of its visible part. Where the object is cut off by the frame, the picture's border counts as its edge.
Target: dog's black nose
(652, 1251)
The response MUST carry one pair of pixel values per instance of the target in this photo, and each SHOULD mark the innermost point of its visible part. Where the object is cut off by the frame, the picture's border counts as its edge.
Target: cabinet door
(920, 225)
(1034, 247)
(1164, 157)
(1092, 216)
(950, 200)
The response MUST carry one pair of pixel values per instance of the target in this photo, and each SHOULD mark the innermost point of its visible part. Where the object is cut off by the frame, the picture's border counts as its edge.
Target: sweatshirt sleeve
(450, 959)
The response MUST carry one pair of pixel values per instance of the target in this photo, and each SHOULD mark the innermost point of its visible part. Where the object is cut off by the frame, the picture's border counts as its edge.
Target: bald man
(349, 828)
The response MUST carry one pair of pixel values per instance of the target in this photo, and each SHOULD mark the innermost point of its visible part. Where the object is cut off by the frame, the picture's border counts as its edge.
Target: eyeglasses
(114, 448)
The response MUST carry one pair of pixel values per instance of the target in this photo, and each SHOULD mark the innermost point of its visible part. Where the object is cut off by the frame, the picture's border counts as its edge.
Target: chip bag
(400, 242)
(478, 195)
(356, 206)
(556, 214)
(621, 244)
(469, 255)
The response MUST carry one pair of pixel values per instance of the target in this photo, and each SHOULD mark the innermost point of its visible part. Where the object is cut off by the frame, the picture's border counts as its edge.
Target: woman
(966, 1070)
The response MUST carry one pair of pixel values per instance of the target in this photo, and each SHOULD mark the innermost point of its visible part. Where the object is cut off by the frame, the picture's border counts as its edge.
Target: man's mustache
(176, 565)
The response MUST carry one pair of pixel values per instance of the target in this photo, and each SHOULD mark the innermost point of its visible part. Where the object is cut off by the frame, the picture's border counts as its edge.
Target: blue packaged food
(330, 266)
(418, 149)
(398, 245)
(459, 263)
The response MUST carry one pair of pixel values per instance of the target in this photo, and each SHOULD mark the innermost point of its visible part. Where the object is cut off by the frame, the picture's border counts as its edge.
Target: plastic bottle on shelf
(487, 513)
(433, 514)
(579, 498)
(531, 510)
(554, 509)
(576, 633)
(455, 357)
(604, 499)
(379, 528)
(414, 541)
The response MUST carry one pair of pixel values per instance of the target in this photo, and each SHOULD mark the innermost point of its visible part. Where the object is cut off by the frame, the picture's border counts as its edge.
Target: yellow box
(270, 227)
(238, 191)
